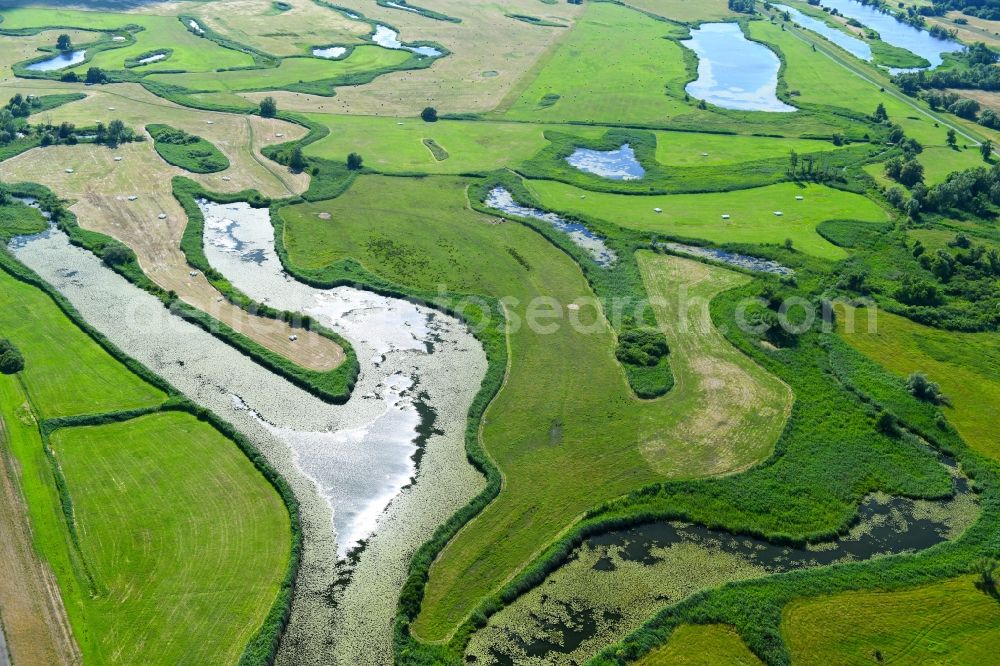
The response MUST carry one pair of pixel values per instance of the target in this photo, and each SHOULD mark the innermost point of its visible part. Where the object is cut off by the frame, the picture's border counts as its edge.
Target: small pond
(856, 47)
(388, 38)
(153, 58)
(330, 52)
(59, 61)
(614, 582)
(618, 164)
(732, 258)
(896, 32)
(734, 72)
(502, 200)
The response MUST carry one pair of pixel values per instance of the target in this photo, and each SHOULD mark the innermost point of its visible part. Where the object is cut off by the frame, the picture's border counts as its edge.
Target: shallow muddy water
(732, 258)
(619, 164)
(330, 53)
(502, 200)
(350, 466)
(734, 72)
(388, 38)
(615, 581)
(59, 61)
(153, 58)
(896, 32)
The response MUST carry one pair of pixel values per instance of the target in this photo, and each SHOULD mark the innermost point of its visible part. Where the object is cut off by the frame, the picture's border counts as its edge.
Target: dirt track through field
(31, 610)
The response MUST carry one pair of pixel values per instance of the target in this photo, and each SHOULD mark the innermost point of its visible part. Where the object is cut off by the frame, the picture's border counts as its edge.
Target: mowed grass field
(702, 645)
(395, 145)
(66, 373)
(752, 218)
(964, 364)
(603, 79)
(290, 71)
(724, 410)
(422, 234)
(190, 52)
(186, 541)
(688, 11)
(951, 622)
(282, 33)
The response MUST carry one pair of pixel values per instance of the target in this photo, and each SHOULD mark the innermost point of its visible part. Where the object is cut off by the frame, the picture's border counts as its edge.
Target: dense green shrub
(187, 151)
(11, 360)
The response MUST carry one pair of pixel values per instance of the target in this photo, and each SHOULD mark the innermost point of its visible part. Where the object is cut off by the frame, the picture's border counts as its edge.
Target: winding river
(351, 466)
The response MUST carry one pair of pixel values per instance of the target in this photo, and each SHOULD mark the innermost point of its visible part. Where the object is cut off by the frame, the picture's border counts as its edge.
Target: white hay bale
(293, 338)
(725, 216)
(799, 198)
(657, 210)
(132, 197)
(162, 216)
(778, 213)
(69, 171)
(118, 158)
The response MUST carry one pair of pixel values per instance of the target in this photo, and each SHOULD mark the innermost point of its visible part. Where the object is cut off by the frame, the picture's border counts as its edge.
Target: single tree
(923, 388)
(96, 75)
(115, 133)
(986, 150)
(297, 162)
(116, 255)
(429, 115)
(64, 43)
(881, 115)
(986, 568)
(952, 138)
(354, 161)
(268, 107)
(11, 360)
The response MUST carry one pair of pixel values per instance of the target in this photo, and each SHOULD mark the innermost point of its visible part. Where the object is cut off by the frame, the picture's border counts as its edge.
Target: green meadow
(702, 645)
(752, 213)
(815, 78)
(290, 71)
(395, 145)
(540, 420)
(192, 554)
(951, 622)
(91, 383)
(964, 364)
(190, 52)
(594, 79)
(168, 515)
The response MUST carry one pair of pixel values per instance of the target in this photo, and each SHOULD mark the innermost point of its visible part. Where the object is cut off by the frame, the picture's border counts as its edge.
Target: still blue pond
(59, 61)
(734, 72)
